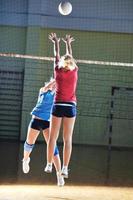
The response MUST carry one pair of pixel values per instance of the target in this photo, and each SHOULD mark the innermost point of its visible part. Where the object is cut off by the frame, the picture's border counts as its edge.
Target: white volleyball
(65, 8)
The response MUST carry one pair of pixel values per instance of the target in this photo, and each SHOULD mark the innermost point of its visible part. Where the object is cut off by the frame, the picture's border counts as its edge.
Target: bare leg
(57, 162)
(68, 125)
(54, 132)
(56, 159)
(31, 138)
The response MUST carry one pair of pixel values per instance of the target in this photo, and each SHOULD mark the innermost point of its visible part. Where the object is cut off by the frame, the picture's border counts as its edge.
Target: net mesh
(103, 50)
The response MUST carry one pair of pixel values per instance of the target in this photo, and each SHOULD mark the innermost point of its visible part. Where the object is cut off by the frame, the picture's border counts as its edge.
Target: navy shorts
(61, 110)
(39, 124)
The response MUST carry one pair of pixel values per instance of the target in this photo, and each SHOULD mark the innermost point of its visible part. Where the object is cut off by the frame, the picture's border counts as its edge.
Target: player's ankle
(65, 167)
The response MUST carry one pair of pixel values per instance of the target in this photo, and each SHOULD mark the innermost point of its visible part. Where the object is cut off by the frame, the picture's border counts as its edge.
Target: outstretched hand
(53, 37)
(68, 39)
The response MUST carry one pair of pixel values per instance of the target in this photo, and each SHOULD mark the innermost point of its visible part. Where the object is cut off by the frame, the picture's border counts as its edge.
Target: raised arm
(68, 39)
(53, 37)
(47, 86)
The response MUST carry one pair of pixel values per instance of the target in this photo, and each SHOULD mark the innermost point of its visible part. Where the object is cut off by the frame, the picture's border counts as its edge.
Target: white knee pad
(28, 147)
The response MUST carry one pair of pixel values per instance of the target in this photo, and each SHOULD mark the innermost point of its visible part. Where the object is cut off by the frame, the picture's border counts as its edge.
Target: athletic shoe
(64, 172)
(60, 179)
(25, 165)
(48, 168)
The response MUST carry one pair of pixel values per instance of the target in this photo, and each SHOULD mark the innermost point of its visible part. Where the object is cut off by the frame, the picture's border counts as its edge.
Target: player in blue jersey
(41, 121)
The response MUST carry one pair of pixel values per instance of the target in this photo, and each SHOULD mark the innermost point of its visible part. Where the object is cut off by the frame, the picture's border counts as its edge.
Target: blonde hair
(65, 58)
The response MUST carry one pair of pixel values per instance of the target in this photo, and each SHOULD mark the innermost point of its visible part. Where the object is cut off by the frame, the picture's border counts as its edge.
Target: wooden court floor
(30, 192)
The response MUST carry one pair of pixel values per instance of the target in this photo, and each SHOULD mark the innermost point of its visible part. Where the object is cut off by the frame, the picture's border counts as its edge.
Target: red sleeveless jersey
(66, 83)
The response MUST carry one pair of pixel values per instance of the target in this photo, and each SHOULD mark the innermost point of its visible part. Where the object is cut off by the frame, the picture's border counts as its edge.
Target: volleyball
(65, 8)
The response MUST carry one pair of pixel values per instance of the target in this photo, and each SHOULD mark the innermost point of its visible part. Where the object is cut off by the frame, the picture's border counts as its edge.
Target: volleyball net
(21, 76)
(103, 50)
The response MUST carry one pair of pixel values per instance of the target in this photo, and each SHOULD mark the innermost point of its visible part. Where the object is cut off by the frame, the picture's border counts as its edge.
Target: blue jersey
(44, 105)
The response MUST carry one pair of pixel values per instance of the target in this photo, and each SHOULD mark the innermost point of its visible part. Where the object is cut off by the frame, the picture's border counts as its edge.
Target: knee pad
(56, 151)
(28, 147)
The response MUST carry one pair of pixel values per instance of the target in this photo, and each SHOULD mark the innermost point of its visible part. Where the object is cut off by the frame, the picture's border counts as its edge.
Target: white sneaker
(48, 168)
(64, 172)
(25, 165)
(60, 179)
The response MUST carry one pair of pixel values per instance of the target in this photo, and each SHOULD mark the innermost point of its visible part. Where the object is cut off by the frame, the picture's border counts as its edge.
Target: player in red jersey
(64, 108)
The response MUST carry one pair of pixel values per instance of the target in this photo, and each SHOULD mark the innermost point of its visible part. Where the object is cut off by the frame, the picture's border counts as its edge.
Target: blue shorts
(61, 110)
(39, 124)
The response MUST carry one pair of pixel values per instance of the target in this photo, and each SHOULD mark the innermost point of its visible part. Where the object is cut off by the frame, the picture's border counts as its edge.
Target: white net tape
(93, 62)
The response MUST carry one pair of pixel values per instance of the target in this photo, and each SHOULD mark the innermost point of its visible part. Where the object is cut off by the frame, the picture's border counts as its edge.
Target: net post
(110, 129)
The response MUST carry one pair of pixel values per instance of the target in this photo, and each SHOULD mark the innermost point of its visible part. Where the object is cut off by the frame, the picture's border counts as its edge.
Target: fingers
(50, 37)
(72, 39)
(63, 40)
(68, 38)
(54, 37)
